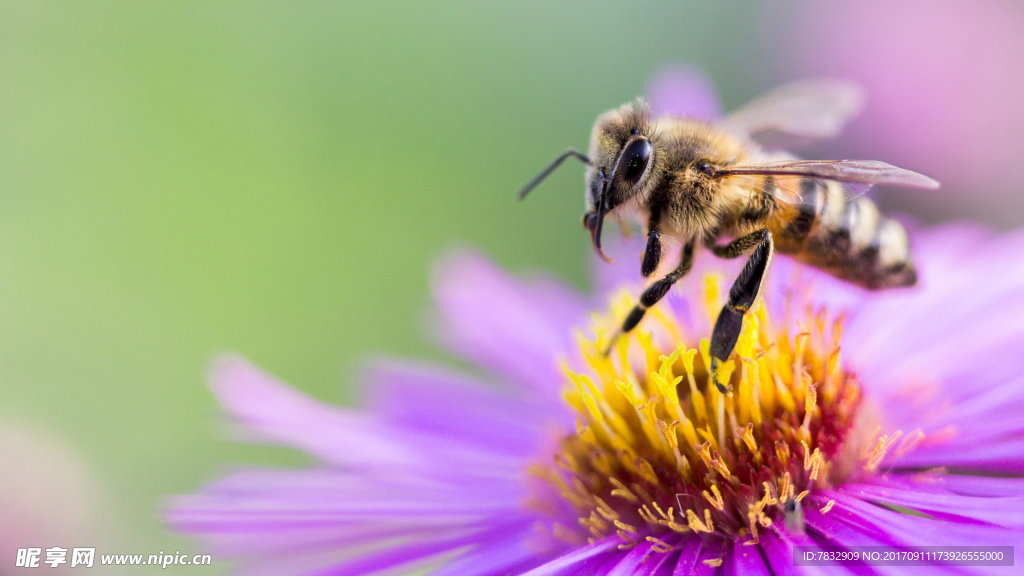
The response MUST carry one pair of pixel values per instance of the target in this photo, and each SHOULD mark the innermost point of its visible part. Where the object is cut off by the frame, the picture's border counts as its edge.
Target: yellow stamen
(659, 545)
(697, 525)
(877, 454)
(715, 500)
(659, 450)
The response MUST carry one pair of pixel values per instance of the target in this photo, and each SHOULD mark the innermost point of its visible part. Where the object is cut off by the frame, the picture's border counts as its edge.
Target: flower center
(658, 451)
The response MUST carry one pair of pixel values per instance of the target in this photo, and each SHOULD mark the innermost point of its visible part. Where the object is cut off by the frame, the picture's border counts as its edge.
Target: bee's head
(623, 164)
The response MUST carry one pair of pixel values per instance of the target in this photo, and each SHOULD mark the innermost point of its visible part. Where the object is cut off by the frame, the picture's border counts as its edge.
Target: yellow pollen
(748, 438)
(659, 545)
(828, 506)
(659, 451)
(625, 527)
(696, 525)
(715, 500)
(621, 491)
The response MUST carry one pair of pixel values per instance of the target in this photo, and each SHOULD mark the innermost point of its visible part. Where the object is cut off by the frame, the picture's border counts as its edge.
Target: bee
(793, 514)
(695, 183)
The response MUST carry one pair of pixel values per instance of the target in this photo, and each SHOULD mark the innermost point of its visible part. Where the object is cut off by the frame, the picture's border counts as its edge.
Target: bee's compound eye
(635, 158)
(704, 167)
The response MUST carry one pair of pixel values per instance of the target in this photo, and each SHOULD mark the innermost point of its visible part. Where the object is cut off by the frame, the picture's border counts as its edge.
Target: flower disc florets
(657, 451)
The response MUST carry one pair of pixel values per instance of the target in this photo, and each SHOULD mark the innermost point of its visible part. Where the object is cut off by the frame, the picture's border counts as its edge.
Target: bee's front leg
(652, 254)
(742, 296)
(654, 293)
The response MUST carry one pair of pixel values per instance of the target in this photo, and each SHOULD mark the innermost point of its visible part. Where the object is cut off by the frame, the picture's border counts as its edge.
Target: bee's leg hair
(652, 254)
(743, 295)
(741, 245)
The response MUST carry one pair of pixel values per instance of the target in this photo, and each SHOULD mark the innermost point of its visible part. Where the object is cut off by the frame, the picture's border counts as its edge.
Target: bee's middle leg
(654, 293)
(742, 296)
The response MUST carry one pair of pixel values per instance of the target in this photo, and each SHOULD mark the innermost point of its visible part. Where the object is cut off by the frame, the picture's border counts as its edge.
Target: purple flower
(914, 437)
(547, 458)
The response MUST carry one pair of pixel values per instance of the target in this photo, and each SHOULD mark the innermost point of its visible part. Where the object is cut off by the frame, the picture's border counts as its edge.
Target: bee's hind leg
(742, 296)
(654, 292)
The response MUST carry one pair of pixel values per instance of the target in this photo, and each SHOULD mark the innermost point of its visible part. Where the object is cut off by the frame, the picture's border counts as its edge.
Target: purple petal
(689, 556)
(683, 91)
(710, 550)
(328, 495)
(939, 503)
(342, 557)
(777, 546)
(497, 553)
(643, 560)
(576, 561)
(663, 564)
(695, 550)
(272, 412)
(1000, 455)
(982, 485)
(841, 526)
(745, 560)
(313, 550)
(264, 511)
(909, 530)
(428, 400)
(518, 330)
(396, 556)
(784, 554)
(636, 561)
(962, 429)
(950, 303)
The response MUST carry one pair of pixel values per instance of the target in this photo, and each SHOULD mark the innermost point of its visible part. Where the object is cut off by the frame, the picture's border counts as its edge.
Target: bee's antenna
(551, 168)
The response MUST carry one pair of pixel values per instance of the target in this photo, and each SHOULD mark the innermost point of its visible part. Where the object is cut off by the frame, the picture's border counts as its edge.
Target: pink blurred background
(945, 93)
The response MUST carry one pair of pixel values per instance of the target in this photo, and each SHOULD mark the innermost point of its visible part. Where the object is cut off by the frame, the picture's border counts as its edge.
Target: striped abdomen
(849, 239)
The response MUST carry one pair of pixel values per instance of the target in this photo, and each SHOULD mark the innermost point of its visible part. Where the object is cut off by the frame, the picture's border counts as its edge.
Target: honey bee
(698, 183)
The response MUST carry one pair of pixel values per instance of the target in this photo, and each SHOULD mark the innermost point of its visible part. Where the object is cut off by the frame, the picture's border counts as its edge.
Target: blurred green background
(182, 179)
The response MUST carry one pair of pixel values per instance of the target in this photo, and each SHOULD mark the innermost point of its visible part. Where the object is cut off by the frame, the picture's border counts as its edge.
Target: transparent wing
(870, 172)
(808, 109)
(797, 190)
(792, 181)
